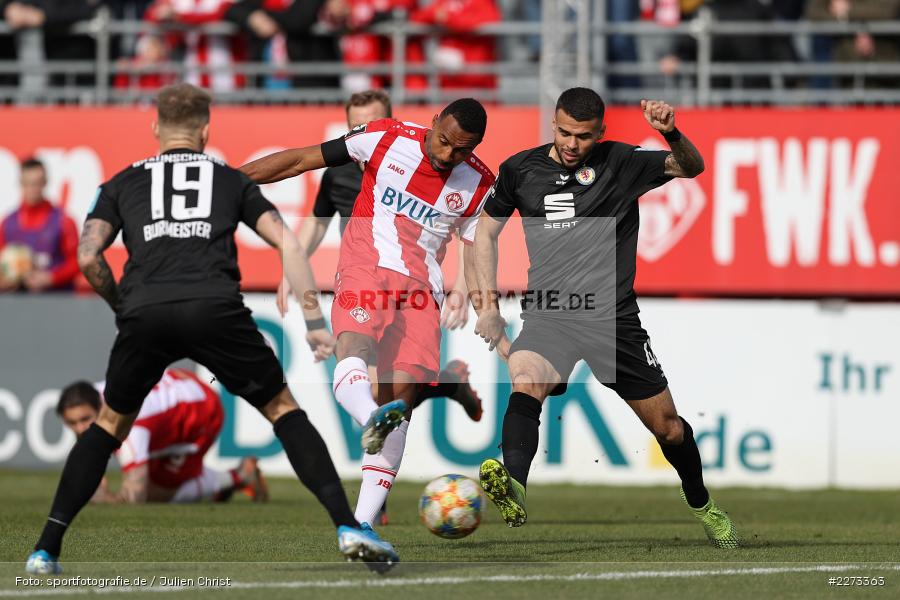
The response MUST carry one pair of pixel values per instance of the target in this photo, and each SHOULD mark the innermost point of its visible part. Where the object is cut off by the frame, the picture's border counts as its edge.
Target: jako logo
(396, 169)
(559, 206)
(354, 378)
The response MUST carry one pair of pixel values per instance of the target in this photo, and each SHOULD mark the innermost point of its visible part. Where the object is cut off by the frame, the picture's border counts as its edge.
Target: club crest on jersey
(585, 176)
(360, 314)
(454, 202)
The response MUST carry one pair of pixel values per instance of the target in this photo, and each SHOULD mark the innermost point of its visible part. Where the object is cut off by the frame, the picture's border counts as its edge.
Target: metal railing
(520, 80)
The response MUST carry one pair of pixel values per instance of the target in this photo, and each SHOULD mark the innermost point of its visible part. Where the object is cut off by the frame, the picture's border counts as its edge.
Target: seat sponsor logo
(559, 206)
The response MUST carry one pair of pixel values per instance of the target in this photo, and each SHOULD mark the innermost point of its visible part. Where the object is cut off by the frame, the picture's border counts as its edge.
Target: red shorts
(399, 312)
(199, 431)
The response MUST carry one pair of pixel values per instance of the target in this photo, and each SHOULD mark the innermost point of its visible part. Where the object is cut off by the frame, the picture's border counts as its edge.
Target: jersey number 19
(179, 209)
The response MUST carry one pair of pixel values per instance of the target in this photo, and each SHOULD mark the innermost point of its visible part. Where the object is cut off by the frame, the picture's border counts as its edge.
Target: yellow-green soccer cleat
(719, 528)
(504, 491)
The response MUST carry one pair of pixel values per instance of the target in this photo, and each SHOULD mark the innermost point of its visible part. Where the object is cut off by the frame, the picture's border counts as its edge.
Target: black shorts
(218, 333)
(563, 342)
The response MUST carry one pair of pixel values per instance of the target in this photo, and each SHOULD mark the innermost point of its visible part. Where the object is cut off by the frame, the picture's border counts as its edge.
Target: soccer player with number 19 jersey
(180, 298)
(419, 185)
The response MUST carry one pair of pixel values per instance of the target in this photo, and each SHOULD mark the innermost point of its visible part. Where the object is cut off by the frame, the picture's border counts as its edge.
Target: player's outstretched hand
(455, 313)
(282, 296)
(321, 342)
(660, 115)
(491, 327)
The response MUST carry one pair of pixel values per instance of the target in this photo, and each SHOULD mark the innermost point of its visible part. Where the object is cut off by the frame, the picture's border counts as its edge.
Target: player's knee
(114, 423)
(527, 383)
(353, 345)
(669, 430)
(280, 405)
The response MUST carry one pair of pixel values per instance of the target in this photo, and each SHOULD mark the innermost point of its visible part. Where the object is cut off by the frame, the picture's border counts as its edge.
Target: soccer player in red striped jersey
(419, 186)
(162, 457)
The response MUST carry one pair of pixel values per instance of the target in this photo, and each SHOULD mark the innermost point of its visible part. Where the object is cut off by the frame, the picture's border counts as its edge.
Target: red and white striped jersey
(173, 407)
(406, 211)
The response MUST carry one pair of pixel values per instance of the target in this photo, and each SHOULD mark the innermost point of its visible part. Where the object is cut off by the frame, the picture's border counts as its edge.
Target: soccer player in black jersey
(575, 195)
(180, 298)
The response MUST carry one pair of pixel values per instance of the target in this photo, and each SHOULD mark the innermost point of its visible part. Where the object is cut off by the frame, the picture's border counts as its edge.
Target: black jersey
(579, 223)
(338, 191)
(178, 212)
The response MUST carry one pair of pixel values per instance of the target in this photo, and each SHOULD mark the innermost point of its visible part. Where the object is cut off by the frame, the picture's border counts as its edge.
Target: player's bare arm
(312, 232)
(284, 164)
(455, 313)
(134, 490)
(95, 238)
(273, 230)
(482, 280)
(685, 160)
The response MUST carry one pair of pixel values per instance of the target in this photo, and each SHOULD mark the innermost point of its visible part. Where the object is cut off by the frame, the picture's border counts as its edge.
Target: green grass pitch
(580, 542)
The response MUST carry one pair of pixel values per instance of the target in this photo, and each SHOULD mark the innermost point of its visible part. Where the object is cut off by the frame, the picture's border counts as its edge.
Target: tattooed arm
(685, 159)
(135, 484)
(295, 263)
(95, 238)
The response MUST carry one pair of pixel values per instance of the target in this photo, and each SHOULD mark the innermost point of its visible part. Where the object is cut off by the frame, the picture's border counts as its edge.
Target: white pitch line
(414, 581)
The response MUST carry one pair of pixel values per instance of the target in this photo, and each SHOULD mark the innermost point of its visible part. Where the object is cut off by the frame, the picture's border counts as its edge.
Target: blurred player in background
(568, 184)
(38, 241)
(162, 457)
(180, 298)
(338, 191)
(419, 185)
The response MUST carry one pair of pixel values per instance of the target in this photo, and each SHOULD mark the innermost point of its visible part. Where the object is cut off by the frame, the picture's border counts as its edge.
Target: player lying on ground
(337, 194)
(180, 298)
(419, 185)
(162, 457)
(578, 184)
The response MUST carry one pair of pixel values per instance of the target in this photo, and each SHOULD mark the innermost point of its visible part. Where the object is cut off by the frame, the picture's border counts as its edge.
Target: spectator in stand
(362, 49)
(49, 234)
(150, 52)
(218, 53)
(734, 48)
(55, 17)
(622, 48)
(281, 31)
(862, 47)
(460, 47)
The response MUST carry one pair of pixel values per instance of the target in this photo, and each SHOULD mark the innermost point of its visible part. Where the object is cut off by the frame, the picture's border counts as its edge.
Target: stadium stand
(693, 52)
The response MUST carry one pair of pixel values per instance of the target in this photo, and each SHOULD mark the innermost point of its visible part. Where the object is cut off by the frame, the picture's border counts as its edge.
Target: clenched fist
(660, 115)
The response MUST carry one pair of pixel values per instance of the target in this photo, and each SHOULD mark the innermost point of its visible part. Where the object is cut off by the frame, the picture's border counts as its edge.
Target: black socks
(309, 457)
(685, 457)
(520, 434)
(444, 389)
(80, 479)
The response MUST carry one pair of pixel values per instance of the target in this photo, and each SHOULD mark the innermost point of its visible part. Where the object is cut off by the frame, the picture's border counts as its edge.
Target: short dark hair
(368, 97)
(469, 113)
(76, 394)
(582, 104)
(183, 106)
(32, 163)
